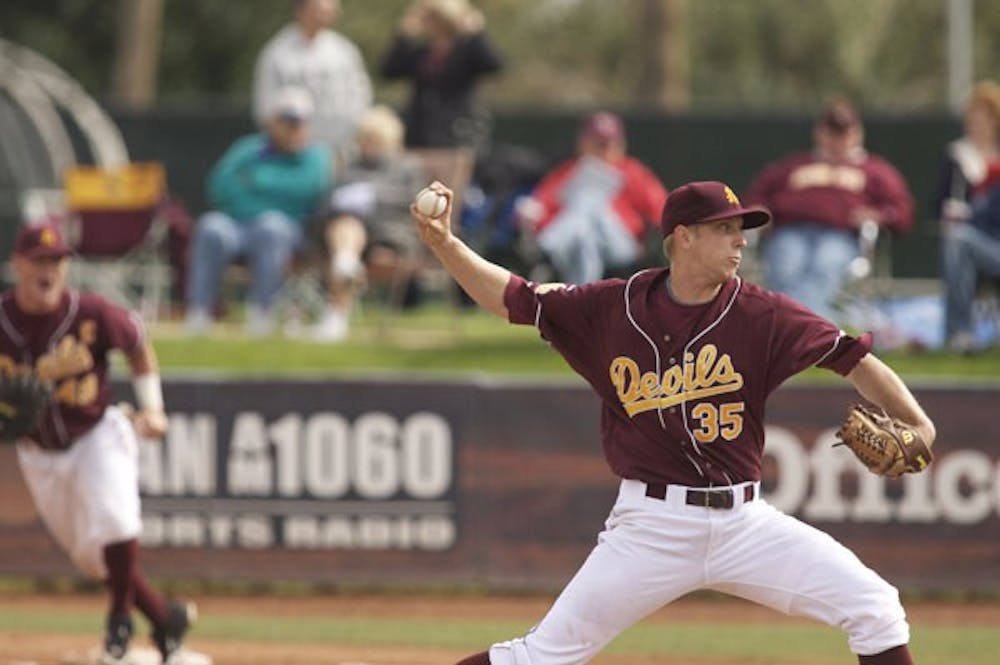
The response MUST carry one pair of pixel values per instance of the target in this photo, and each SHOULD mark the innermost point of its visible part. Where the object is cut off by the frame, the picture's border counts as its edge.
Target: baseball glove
(887, 446)
(23, 399)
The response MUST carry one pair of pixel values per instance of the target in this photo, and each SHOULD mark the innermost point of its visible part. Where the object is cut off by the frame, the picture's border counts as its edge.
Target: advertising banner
(494, 483)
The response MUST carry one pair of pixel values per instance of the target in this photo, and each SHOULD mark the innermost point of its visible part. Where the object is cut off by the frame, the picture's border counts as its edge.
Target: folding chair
(114, 225)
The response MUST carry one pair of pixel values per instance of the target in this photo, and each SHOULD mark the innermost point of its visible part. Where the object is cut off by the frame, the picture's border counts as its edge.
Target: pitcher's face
(717, 247)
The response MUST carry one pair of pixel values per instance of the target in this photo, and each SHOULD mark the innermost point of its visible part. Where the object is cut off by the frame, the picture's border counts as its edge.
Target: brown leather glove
(887, 446)
(23, 399)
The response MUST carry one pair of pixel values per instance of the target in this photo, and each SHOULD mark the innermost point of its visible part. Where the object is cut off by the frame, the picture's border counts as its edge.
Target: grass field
(439, 628)
(437, 340)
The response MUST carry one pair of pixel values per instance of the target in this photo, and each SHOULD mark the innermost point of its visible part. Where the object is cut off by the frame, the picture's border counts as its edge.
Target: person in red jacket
(821, 200)
(591, 212)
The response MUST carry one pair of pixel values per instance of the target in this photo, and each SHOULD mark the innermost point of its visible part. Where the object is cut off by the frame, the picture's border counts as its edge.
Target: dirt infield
(52, 648)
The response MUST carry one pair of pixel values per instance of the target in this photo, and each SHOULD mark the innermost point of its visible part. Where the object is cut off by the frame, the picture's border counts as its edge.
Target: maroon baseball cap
(41, 241)
(707, 201)
(603, 127)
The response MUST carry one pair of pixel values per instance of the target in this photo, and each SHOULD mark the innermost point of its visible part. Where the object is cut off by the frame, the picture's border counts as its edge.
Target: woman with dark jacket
(441, 46)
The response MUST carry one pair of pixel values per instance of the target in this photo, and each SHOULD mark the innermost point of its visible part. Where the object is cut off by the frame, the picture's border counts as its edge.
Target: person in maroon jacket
(821, 200)
(81, 463)
(683, 360)
(591, 213)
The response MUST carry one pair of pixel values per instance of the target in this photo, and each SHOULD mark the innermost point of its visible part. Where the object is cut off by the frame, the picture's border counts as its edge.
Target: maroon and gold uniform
(81, 464)
(69, 347)
(683, 382)
(682, 394)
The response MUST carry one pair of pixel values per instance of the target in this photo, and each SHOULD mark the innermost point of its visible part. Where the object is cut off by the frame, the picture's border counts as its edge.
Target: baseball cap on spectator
(41, 241)
(707, 201)
(838, 116)
(291, 103)
(602, 127)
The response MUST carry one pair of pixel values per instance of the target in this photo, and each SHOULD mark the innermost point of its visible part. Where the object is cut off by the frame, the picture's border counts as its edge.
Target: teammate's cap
(603, 127)
(707, 201)
(41, 241)
(291, 102)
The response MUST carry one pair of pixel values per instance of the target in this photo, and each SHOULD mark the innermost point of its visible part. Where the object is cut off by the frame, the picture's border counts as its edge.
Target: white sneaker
(197, 322)
(260, 322)
(963, 342)
(332, 327)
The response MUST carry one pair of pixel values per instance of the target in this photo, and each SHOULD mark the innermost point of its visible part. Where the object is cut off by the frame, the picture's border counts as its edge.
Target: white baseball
(431, 203)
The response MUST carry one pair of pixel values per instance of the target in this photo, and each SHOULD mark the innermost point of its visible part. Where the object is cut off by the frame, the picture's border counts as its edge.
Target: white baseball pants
(653, 551)
(88, 494)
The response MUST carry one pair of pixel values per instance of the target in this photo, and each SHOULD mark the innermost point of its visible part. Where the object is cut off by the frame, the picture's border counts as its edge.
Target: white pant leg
(88, 495)
(649, 554)
(48, 475)
(773, 559)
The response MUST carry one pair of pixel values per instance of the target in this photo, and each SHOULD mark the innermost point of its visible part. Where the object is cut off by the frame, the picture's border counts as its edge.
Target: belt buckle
(720, 499)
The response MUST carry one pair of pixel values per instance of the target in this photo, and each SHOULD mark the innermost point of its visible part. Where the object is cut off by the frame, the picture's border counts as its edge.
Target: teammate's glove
(887, 446)
(23, 399)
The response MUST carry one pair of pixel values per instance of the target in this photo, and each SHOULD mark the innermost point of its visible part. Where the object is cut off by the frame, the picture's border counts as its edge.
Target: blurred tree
(765, 54)
(137, 56)
(664, 76)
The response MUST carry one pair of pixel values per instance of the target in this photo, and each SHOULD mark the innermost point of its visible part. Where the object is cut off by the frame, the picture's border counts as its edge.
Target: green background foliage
(888, 54)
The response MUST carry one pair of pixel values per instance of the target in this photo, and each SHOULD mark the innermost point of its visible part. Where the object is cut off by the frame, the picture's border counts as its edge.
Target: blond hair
(382, 125)
(452, 12)
(986, 95)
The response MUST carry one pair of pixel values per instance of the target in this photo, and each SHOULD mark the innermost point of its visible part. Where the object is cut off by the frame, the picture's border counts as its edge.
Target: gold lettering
(624, 377)
(88, 332)
(703, 376)
(68, 358)
(706, 360)
(650, 385)
(86, 394)
(673, 381)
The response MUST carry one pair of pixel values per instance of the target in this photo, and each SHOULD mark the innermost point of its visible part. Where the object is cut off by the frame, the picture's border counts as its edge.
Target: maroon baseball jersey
(70, 348)
(808, 188)
(683, 387)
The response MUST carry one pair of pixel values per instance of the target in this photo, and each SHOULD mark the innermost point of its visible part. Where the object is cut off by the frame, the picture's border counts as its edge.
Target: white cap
(292, 102)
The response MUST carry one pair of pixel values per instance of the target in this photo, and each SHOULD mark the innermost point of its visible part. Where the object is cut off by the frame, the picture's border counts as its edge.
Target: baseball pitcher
(78, 455)
(683, 360)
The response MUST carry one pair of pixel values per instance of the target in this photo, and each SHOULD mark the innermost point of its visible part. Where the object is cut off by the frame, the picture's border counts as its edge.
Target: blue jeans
(967, 253)
(583, 241)
(267, 241)
(809, 262)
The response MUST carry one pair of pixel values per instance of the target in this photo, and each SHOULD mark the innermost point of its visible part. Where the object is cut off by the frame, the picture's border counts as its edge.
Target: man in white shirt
(309, 54)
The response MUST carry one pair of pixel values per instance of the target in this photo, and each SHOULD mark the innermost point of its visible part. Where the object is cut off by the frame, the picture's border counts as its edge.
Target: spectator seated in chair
(968, 207)
(821, 200)
(592, 212)
(264, 188)
(366, 226)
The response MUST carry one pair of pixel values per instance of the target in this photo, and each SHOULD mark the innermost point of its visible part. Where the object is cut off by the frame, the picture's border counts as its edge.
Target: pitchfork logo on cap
(47, 237)
(731, 197)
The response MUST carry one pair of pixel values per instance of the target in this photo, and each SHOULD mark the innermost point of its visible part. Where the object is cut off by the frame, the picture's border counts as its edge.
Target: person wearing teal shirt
(263, 191)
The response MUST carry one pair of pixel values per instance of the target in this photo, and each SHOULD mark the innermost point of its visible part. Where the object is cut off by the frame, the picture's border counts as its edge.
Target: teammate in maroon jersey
(825, 203)
(81, 464)
(683, 360)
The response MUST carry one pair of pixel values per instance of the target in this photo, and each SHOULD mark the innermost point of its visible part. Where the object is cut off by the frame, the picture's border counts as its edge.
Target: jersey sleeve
(123, 329)
(563, 313)
(801, 339)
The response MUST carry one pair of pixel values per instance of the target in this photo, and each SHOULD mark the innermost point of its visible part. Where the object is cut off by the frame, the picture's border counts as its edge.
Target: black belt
(723, 497)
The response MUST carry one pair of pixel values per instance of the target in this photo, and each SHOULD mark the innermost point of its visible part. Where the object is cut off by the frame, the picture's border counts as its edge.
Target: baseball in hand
(431, 203)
